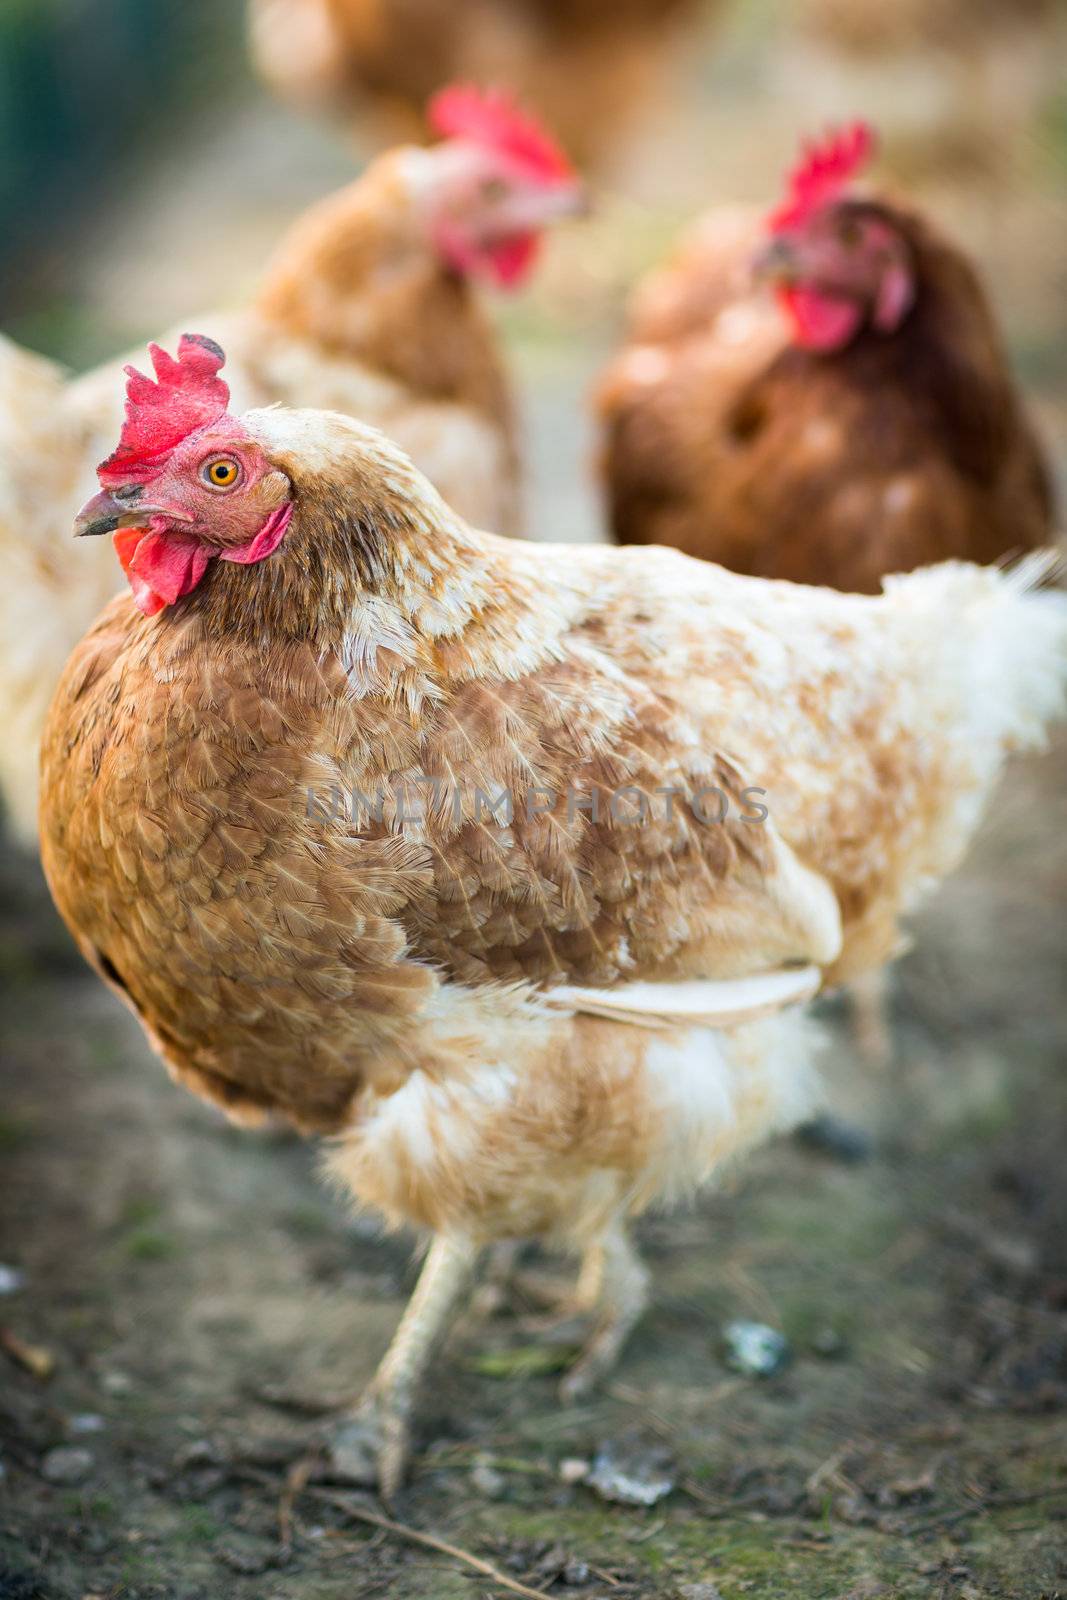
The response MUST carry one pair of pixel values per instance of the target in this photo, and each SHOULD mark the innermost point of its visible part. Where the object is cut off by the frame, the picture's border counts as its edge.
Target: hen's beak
(103, 514)
(528, 210)
(777, 262)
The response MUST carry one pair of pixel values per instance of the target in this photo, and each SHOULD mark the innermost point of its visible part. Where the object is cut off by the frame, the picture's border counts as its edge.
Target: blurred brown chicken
(862, 421)
(585, 65)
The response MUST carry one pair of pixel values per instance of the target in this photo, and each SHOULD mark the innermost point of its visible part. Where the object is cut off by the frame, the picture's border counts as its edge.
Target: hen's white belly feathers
(561, 1124)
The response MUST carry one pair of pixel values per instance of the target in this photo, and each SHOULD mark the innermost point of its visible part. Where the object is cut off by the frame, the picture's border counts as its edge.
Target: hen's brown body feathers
(727, 441)
(276, 952)
(357, 280)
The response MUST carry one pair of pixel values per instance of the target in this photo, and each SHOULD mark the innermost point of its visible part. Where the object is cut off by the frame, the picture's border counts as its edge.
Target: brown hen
(496, 862)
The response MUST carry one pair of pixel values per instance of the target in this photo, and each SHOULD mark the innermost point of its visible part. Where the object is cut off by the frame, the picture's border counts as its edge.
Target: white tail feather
(706, 1003)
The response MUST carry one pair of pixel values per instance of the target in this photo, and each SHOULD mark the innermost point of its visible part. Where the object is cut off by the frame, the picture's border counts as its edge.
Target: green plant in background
(84, 85)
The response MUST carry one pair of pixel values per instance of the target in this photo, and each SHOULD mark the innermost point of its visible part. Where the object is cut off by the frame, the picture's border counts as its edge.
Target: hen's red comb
(822, 172)
(491, 117)
(187, 394)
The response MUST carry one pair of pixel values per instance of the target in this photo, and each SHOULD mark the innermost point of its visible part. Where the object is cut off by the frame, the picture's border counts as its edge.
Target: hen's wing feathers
(576, 831)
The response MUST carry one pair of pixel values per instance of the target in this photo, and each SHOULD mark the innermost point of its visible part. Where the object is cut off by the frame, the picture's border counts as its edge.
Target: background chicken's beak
(532, 209)
(575, 200)
(776, 262)
(99, 515)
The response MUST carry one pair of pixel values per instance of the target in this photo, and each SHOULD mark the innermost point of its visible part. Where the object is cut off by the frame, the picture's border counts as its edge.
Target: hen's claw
(371, 1447)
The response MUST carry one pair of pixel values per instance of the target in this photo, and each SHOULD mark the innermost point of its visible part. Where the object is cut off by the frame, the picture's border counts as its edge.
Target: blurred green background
(87, 89)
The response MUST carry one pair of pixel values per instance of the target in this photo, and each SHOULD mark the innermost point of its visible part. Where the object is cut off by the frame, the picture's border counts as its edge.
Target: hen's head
(493, 184)
(187, 483)
(839, 262)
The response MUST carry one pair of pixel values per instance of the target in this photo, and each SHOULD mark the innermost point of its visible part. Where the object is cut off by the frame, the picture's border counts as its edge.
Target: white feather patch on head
(326, 441)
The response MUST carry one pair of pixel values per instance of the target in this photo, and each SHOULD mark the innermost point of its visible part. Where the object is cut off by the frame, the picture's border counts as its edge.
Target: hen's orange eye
(221, 473)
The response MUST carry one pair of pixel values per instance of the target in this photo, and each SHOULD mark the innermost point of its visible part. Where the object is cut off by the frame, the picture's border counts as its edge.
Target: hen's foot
(371, 1446)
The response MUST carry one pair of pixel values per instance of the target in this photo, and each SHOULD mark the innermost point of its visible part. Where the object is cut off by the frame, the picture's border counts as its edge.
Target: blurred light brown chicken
(587, 66)
(369, 307)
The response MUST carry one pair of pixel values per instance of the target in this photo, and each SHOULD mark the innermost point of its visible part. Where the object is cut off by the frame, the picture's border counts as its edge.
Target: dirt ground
(201, 1300)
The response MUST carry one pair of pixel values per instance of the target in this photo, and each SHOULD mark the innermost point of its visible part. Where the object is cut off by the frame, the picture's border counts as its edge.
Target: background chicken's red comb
(491, 117)
(823, 171)
(187, 394)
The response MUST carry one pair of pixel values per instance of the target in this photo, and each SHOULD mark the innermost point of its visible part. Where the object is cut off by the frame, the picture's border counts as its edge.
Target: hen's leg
(501, 1273)
(869, 996)
(614, 1281)
(373, 1441)
(507, 1282)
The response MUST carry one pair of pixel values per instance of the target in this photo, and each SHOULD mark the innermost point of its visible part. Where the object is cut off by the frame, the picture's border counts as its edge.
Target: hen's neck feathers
(375, 571)
(951, 303)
